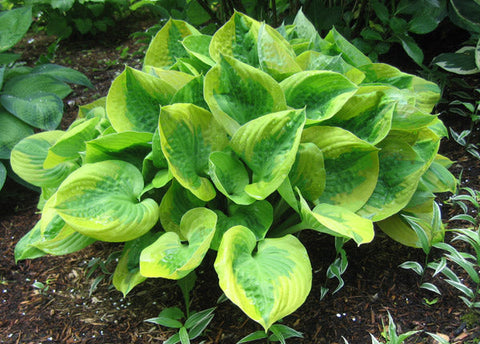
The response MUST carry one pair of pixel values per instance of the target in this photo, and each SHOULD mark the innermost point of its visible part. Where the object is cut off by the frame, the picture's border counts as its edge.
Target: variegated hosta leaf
(408, 117)
(188, 135)
(237, 93)
(238, 39)
(336, 221)
(339, 45)
(268, 284)
(230, 176)
(191, 93)
(368, 116)
(426, 215)
(174, 78)
(166, 47)
(176, 202)
(276, 56)
(134, 100)
(169, 258)
(323, 93)
(100, 200)
(198, 47)
(313, 60)
(308, 171)
(400, 171)
(258, 217)
(426, 93)
(351, 166)
(426, 145)
(24, 249)
(268, 145)
(70, 144)
(129, 146)
(28, 156)
(13, 131)
(56, 237)
(127, 273)
(438, 178)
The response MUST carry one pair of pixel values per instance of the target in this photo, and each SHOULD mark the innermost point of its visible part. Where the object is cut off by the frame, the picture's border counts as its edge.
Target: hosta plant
(234, 143)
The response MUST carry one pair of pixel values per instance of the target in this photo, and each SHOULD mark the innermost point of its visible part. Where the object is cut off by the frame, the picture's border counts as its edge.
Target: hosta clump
(233, 143)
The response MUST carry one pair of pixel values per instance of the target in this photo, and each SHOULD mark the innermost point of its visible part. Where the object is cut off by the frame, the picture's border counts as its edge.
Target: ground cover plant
(101, 157)
(30, 98)
(210, 205)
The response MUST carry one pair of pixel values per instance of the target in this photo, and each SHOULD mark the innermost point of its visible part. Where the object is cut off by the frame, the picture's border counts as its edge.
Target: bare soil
(68, 311)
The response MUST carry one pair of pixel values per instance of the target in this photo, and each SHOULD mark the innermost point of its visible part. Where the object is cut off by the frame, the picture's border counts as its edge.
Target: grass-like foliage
(234, 143)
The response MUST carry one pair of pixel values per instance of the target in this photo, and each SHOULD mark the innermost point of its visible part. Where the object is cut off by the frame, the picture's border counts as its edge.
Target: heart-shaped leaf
(351, 166)
(134, 100)
(169, 258)
(166, 47)
(268, 284)
(322, 93)
(99, 200)
(188, 135)
(237, 93)
(268, 145)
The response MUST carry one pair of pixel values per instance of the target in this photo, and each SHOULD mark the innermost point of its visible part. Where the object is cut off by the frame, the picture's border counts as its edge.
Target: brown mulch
(68, 312)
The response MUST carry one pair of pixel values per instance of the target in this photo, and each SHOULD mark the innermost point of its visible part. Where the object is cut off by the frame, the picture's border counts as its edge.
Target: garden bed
(67, 310)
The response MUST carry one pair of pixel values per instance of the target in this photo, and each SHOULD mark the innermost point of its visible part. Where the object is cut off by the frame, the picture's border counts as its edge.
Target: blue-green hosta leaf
(188, 135)
(26, 85)
(438, 178)
(425, 93)
(28, 156)
(70, 144)
(237, 38)
(169, 258)
(268, 146)
(368, 116)
(176, 202)
(166, 47)
(100, 200)
(308, 171)
(129, 146)
(127, 273)
(276, 57)
(134, 100)
(348, 51)
(323, 93)
(63, 74)
(313, 60)
(237, 93)
(258, 217)
(268, 284)
(400, 171)
(3, 175)
(41, 110)
(191, 93)
(337, 221)
(230, 176)
(56, 237)
(198, 47)
(13, 130)
(14, 25)
(351, 166)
